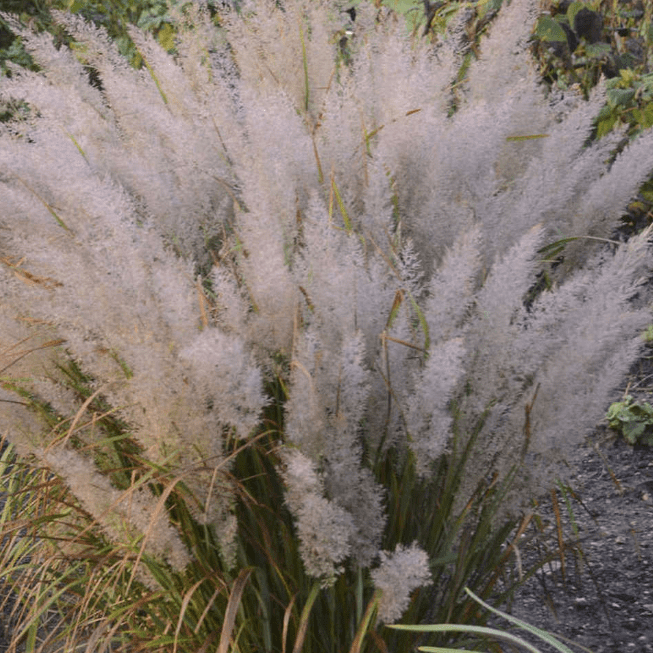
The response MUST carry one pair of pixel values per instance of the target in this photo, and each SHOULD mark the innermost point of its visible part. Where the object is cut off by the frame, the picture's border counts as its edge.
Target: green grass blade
(440, 649)
(232, 609)
(542, 634)
(422, 322)
(306, 613)
(527, 137)
(341, 206)
(50, 209)
(77, 145)
(477, 630)
(150, 70)
(305, 63)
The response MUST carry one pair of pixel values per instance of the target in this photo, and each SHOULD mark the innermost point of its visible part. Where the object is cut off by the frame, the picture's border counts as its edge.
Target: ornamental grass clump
(282, 357)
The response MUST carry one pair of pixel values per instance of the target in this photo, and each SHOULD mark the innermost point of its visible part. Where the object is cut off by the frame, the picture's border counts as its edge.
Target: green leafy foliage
(620, 49)
(630, 100)
(612, 41)
(633, 419)
(549, 29)
(149, 15)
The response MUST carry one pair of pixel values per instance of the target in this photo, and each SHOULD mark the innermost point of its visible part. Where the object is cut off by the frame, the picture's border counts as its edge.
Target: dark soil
(601, 596)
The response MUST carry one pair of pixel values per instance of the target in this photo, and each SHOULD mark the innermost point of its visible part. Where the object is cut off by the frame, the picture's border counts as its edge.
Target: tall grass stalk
(280, 360)
(70, 586)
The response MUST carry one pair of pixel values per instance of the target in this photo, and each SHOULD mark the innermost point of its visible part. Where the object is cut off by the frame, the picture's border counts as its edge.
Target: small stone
(552, 566)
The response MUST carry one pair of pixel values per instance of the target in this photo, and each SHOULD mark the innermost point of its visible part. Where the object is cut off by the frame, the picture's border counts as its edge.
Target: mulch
(601, 594)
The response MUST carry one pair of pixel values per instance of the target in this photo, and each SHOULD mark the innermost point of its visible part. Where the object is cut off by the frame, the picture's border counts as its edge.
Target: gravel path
(605, 599)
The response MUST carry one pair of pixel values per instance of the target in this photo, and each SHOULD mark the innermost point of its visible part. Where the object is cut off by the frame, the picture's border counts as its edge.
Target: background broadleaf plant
(633, 419)
(278, 365)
